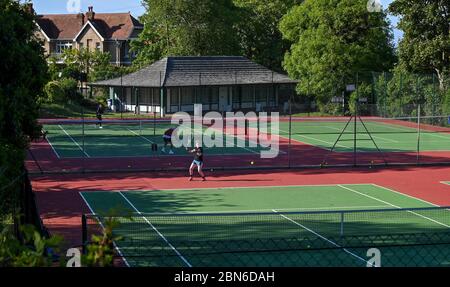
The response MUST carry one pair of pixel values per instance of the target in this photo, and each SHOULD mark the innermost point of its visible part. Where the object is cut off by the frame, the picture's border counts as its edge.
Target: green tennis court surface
(276, 226)
(129, 139)
(389, 135)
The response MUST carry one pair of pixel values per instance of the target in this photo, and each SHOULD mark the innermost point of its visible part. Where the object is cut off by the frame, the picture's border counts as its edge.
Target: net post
(84, 233)
(290, 130)
(418, 134)
(83, 141)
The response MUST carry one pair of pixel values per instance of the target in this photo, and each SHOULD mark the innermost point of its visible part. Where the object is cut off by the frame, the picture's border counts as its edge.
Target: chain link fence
(387, 238)
(365, 119)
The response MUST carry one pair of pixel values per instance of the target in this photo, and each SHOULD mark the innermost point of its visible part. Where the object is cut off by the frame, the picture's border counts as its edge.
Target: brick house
(106, 32)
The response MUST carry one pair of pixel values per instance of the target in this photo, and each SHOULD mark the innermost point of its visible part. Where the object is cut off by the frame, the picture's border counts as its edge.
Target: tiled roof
(194, 71)
(109, 25)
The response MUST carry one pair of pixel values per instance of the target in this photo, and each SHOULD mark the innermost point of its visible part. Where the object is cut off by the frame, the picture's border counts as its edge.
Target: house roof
(67, 26)
(194, 71)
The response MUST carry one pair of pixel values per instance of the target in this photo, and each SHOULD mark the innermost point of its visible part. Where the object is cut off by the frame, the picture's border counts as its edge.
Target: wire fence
(366, 119)
(397, 237)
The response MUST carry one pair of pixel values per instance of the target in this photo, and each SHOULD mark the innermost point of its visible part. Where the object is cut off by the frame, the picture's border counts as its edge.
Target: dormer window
(62, 46)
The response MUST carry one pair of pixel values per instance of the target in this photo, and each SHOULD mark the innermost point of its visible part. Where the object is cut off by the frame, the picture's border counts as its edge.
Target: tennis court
(324, 225)
(390, 135)
(75, 139)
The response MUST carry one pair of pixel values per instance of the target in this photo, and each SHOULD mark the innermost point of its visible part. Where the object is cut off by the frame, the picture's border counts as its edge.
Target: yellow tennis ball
(252, 163)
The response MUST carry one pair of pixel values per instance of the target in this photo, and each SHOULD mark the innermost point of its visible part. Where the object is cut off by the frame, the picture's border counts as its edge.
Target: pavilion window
(247, 98)
(188, 96)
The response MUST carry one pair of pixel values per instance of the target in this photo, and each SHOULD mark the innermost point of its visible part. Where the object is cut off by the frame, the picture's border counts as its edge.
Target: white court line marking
(283, 210)
(435, 135)
(141, 136)
(244, 187)
(398, 207)
(101, 224)
(74, 141)
(365, 133)
(330, 143)
(53, 148)
(403, 194)
(232, 143)
(322, 237)
(445, 182)
(157, 231)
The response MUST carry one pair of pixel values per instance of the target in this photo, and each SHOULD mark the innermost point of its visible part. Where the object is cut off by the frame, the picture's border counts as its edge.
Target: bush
(33, 252)
(54, 92)
(333, 109)
(363, 91)
(63, 91)
(70, 87)
(100, 252)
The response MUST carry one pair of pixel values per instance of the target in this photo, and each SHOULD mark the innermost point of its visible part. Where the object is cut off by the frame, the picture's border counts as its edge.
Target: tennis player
(99, 114)
(167, 137)
(197, 162)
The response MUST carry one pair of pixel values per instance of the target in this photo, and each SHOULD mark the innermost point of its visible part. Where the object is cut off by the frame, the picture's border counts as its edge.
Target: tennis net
(208, 238)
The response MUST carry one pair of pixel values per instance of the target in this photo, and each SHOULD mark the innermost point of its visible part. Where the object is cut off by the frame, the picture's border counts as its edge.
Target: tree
(425, 46)
(95, 64)
(186, 27)
(331, 41)
(23, 73)
(259, 36)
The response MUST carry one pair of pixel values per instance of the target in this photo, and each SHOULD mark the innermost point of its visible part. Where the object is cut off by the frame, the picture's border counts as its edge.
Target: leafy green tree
(331, 41)
(259, 35)
(32, 252)
(100, 252)
(186, 27)
(23, 74)
(95, 64)
(425, 46)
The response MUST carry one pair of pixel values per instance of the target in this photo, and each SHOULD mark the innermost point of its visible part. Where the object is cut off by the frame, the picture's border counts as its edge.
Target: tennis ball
(252, 163)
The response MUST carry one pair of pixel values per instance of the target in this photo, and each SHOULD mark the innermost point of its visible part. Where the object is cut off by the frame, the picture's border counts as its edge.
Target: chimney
(80, 17)
(90, 14)
(29, 8)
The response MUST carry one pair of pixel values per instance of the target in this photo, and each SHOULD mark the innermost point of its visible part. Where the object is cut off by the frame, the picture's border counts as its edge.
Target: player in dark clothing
(198, 161)
(168, 140)
(99, 114)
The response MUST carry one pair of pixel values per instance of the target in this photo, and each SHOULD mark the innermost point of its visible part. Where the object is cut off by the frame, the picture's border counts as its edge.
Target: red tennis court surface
(61, 206)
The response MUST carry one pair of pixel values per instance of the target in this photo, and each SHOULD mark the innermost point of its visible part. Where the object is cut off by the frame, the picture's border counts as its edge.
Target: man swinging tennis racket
(198, 161)
(168, 140)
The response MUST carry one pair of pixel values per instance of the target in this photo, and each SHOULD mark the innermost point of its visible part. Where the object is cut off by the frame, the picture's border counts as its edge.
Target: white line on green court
(241, 187)
(101, 224)
(330, 143)
(435, 135)
(403, 194)
(74, 141)
(322, 237)
(157, 231)
(141, 136)
(445, 182)
(398, 207)
(339, 208)
(53, 148)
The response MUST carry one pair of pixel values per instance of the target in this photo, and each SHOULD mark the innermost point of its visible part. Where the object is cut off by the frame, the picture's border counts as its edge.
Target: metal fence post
(84, 239)
(418, 133)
